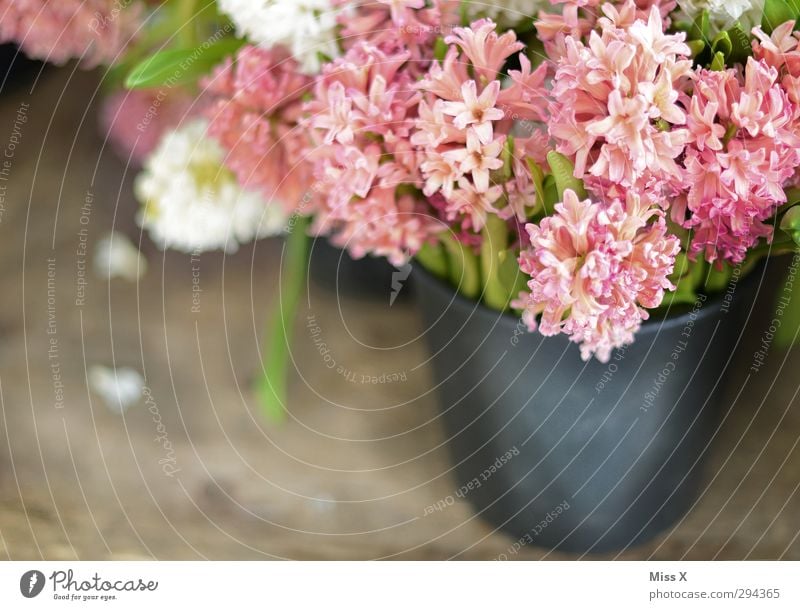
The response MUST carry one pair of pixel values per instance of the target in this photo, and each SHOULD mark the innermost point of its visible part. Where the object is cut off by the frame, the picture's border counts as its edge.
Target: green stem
(272, 387)
(433, 258)
(792, 197)
(717, 279)
(777, 247)
(187, 27)
(537, 175)
(696, 47)
(730, 133)
(495, 241)
(692, 275)
(465, 270)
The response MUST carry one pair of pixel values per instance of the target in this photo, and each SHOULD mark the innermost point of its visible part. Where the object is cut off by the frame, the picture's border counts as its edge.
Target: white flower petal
(724, 13)
(306, 27)
(119, 389)
(115, 256)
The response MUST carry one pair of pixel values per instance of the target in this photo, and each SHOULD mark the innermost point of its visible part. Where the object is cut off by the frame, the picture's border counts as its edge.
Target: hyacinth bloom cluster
(410, 26)
(743, 151)
(615, 102)
(404, 144)
(595, 269)
(95, 31)
(254, 109)
(781, 51)
(718, 147)
(577, 18)
(464, 124)
(439, 129)
(360, 120)
(377, 127)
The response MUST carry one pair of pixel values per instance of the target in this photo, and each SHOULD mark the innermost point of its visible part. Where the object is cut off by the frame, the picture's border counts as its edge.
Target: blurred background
(189, 468)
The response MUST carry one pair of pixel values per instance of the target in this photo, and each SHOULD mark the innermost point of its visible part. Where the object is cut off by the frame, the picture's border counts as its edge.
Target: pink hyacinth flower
(594, 269)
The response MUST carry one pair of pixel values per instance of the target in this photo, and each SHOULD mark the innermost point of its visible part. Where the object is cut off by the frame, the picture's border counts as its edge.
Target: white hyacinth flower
(192, 203)
(115, 256)
(118, 388)
(305, 27)
(724, 13)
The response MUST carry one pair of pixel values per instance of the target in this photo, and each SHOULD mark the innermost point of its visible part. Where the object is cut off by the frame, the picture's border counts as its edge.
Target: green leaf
(464, 10)
(790, 223)
(564, 174)
(718, 63)
(793, 196)
(791, 220)
(272, 387)
(722, 43)
(787, 310)
(741, 47)
(778, 12)
(700, 27)
(179, 66)
(696, 47)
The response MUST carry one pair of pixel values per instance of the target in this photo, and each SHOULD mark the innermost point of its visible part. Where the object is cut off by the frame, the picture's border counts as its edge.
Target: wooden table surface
(351, 472)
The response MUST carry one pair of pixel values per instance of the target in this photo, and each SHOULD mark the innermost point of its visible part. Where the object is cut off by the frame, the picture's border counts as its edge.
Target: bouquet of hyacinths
(579, 162)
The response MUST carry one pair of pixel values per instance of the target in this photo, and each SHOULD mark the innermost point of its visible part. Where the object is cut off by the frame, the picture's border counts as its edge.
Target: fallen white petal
(115, 256)
(120, 389)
